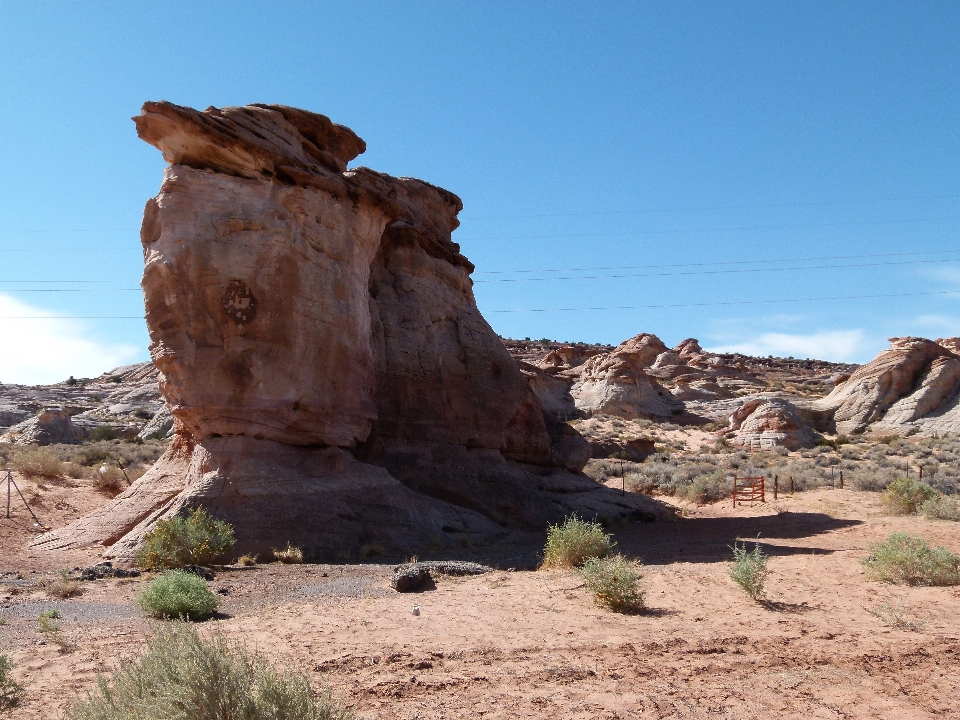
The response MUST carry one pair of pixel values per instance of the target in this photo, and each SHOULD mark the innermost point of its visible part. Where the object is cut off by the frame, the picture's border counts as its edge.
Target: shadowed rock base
(330, 504)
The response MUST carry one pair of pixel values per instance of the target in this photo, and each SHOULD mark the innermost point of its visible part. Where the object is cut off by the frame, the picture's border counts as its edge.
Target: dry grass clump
(37, 463)
(749, 570)
(183, 676)
(197, 539)
(63, 587)
(247, 560)
(570, 544)
(614, 582)
(895, 613)
(291, 556)
(906, 560)
(178, 594)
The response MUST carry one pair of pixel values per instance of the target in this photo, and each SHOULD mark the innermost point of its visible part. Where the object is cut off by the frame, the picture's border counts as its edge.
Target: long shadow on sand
(710, 539)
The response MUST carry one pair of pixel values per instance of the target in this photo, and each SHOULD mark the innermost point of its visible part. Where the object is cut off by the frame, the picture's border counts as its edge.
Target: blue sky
(668, 144)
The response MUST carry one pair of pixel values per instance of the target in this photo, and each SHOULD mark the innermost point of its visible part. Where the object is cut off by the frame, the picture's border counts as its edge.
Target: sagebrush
(11, 692)
(905, 496)
(178, 594)
(183, 676)
(197, 539)
(571, 543)
(749, 570)
(906, 560)
(614, 582)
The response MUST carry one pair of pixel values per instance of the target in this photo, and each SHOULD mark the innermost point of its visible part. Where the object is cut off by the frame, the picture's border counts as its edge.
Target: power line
(582, 309)
(705, 230)
(730, 262)
(732, 302)
(708, 272)
(720, 207)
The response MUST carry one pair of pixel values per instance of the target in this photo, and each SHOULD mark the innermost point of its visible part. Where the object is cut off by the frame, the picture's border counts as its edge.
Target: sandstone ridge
(331, 380)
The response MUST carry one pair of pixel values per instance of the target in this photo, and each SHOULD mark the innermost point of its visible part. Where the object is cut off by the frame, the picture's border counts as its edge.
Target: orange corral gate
(748, 489)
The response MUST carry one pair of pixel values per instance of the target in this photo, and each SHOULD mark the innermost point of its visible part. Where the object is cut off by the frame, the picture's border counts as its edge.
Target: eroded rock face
(914, 374)
(761, 425)
(48, 427)
(319, 346)
(616, 383)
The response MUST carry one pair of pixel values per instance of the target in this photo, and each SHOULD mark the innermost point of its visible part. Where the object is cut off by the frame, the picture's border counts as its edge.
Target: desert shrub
(905, 496)
(182, 676)
(941, 508)
(291, 556)
(570, 544)
(614, 582)
(749, 570)
(109, 478)
(178, 594)
(37, 462)
(709, 488)
(906, 560)
(197, 539)
(11, 692)
(104, 432)
(247, 560)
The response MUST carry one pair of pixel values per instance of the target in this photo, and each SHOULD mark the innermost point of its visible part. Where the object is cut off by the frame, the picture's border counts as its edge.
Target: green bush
(178, 594)
(614, 582)
(11, 691)
(941, 508)
(198, 539)
(749, 570)
(906, 560)
(905, 496)
(570, 544)
(182, 676)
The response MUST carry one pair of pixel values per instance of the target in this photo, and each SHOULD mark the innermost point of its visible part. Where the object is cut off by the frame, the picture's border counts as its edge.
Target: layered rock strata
(319, 346)
(914, 386)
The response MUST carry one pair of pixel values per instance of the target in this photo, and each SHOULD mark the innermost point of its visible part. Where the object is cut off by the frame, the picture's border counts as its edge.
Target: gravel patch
(73, 611)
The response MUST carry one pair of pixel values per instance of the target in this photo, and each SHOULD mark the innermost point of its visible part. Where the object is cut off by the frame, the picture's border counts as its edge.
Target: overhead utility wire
(719, 207)
(704, 230)
(732, 302)
(584, 269)
(735, 271)
(540, 310)
(707, 272)
(729, 262)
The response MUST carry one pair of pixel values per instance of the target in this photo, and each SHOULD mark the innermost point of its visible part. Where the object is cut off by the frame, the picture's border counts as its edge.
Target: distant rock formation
(48, 427)
(319, 346)
(765, 424)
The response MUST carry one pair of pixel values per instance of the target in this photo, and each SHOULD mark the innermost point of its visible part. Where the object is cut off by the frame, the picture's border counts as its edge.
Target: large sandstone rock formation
(914, 386)
(764, 424)
(319, 346)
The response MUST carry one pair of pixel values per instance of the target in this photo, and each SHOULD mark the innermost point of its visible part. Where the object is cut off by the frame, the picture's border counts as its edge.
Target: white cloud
(36, 352)
(945, 274)
(835, 345)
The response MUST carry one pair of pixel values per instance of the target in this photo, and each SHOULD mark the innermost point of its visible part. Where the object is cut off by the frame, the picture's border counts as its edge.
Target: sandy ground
(531, 644)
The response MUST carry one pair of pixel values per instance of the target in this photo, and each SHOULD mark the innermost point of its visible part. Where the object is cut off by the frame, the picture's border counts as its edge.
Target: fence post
(734, 490)
(791, 486)
(776, 486)
(841, 479)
